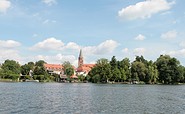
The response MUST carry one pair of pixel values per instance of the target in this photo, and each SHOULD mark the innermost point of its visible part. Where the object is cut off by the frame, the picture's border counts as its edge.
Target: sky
(56, 30)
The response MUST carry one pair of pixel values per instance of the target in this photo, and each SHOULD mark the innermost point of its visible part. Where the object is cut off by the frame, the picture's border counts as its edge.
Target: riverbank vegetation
(13, 71)
(165, 70)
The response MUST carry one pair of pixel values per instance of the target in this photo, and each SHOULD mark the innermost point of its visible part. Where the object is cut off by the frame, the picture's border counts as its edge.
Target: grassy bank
(6, 80)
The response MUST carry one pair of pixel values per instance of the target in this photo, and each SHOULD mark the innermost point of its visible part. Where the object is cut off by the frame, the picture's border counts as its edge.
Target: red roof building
(54, 68)
(83, 69)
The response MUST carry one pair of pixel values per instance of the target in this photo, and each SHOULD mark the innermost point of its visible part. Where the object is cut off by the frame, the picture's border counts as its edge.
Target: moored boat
(31, 80)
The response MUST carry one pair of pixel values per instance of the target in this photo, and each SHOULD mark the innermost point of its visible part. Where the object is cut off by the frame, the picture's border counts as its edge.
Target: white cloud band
(144, 9)
(4, 5)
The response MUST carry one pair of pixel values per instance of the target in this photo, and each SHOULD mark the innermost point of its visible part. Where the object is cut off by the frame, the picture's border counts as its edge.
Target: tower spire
(80, 59)
(80, 55)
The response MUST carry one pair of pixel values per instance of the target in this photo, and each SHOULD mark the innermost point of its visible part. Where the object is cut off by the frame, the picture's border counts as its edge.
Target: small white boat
(31, 80)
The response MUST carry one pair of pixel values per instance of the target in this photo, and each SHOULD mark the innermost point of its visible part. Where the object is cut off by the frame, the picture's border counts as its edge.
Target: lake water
(74, 98)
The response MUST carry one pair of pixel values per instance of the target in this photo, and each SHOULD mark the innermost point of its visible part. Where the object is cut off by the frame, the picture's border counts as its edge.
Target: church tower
(80, 59)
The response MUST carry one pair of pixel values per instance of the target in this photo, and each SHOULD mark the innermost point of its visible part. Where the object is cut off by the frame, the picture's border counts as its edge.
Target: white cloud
(140, 37)
(9, 44)
(169, 35)
(4, 5)
(9, 50)
(54, 44)
(49, 2)
(49, 44)
(72, 45)
(9, 53)
(139, 51)
(9, 47)
(179, 53)
(57, 59)
(62, 58)
(125, 50)
(144, 9)
(105, 47)
(57, 45)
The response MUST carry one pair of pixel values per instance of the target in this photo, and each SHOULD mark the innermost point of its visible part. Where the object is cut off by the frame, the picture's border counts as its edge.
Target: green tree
(68, 68)
(141, 59)
(113, 62)
(169, 71)
(138, 71)
(143, 70)
(81, 78)
(39, 63)
(38, 68)
(101, 72)
(123, 75)
(175, 70)
(183, 79)
(39, 71)
(124, 67)
(11, 67)
(104, 70)
(25, 69)
(31, 65)
(152, 73)
(69, 71)
(181, 72)
(116, 74)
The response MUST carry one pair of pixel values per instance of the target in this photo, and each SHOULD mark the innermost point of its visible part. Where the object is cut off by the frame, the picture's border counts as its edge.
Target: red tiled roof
(85, 68)
(53, 66)
(74, 76)
(89, 65)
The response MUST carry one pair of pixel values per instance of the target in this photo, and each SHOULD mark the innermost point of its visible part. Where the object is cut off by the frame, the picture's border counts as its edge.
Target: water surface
(74, 98)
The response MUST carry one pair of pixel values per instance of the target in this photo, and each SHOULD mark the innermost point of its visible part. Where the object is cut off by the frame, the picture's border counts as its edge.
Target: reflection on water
(86, 98)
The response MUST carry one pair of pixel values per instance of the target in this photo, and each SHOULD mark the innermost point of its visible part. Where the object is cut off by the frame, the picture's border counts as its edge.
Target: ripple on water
(90, 98)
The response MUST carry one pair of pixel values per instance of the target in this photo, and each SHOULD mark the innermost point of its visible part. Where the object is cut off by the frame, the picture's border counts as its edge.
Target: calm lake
(74, 98)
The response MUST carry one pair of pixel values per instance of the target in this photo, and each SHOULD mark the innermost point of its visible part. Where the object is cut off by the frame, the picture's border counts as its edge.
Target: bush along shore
(165, 70)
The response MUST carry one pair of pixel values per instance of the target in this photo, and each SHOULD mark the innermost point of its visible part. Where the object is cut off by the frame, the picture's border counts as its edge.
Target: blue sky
(55, 30)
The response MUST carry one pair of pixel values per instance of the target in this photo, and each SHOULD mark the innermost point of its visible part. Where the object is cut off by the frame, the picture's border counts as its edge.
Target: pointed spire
(80, 59)
(80, 55)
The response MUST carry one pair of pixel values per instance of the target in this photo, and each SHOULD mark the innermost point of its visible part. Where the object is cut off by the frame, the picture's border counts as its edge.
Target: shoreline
(124, 83)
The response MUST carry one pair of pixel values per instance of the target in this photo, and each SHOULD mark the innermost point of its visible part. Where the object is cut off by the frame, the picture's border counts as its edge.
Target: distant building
(54, 68)
(83, 69)
(58, 69)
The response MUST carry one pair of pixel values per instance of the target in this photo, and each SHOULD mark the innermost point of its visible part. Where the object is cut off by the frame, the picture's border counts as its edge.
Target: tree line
(165, 70)
(11, 69)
